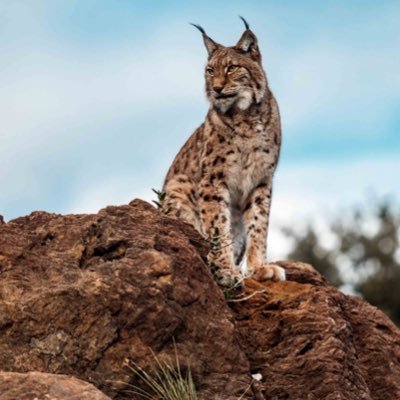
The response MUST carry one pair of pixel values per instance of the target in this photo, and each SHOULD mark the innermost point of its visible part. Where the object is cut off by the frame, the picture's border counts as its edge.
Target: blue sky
(97, 97)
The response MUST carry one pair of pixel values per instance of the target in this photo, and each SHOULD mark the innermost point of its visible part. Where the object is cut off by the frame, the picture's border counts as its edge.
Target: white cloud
(332, 79)
(111, 191)
(50, 96)
(317, 83)
(53, 90)
(316, 191)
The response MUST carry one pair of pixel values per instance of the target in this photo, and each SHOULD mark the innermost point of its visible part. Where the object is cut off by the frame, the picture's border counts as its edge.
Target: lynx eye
(210, 71)
(232, 68)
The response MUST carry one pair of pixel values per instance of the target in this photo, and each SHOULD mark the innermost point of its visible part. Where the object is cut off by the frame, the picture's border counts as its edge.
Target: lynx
(221, 180)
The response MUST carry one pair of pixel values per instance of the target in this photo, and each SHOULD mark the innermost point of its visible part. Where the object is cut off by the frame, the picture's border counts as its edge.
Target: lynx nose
(218, 88)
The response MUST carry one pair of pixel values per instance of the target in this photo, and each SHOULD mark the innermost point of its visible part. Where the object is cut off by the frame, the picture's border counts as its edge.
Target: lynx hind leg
(181, 201)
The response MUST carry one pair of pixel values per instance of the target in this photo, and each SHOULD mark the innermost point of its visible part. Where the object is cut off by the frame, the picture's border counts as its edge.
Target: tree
(367, 242)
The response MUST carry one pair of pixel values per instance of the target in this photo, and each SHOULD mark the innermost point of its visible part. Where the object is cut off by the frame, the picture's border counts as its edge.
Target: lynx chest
(254, 161)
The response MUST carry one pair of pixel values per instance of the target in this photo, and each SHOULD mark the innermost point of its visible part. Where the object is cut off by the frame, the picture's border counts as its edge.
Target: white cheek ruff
(245, 100)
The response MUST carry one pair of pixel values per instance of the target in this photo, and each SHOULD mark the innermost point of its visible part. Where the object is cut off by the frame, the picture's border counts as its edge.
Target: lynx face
(233, 79)
(234, 75)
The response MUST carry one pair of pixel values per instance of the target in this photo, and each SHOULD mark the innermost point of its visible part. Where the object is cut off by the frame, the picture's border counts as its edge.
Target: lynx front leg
(256, 217)
(216, 221)
(181, 201)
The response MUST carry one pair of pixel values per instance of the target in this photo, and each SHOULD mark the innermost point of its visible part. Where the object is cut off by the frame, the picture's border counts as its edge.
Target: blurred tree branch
(367, 242)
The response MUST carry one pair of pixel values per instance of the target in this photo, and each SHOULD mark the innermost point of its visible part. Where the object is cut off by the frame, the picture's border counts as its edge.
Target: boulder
(95, 296)
(310, 341)
(38, 385)
(89, 295)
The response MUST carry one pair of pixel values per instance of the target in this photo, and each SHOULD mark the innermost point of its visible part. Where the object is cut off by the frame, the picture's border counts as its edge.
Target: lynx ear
(248, 42)
(211, 46)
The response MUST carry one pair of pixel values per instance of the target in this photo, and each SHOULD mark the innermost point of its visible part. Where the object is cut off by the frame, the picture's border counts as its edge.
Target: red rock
(37, 385)
(82, 294)
(310, 341)
(85, 295)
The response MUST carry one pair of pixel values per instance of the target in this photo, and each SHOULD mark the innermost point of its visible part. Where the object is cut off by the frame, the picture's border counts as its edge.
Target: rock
(310, 341)
(85, 295)
(89, 295)
(37, 385)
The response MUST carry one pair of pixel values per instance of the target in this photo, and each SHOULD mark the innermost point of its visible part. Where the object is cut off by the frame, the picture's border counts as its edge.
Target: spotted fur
(221, 179)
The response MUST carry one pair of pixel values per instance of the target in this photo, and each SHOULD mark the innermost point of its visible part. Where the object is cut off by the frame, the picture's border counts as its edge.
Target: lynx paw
(229, 279)
(267, 272)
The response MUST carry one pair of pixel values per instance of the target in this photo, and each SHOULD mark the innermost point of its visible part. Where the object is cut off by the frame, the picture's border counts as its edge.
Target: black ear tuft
(198, 27)
(245, 22)
(211, 46)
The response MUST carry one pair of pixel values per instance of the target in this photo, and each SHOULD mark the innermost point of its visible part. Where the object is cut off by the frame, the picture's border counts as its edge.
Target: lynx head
(234, 75)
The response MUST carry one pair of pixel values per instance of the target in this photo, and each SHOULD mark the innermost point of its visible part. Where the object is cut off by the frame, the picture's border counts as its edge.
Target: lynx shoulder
(221, 179)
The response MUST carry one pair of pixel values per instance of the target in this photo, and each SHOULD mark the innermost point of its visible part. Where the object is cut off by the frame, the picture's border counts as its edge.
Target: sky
(97, 97)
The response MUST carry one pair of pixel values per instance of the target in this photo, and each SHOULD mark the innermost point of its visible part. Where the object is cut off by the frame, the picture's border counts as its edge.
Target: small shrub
(167, 382)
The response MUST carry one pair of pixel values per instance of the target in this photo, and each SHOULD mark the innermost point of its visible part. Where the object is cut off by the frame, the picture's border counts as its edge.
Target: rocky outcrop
(310, 341)
(90, 295)
(38, 385)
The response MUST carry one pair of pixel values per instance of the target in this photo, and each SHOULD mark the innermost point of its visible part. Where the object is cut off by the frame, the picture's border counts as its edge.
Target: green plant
(160, 198)
(166, 382)
(233, 291)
